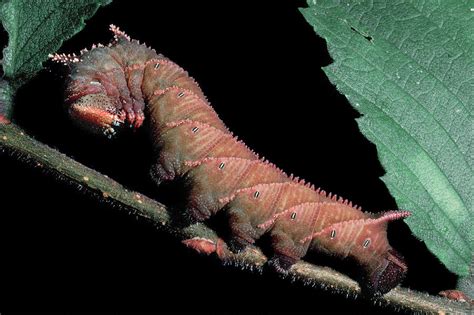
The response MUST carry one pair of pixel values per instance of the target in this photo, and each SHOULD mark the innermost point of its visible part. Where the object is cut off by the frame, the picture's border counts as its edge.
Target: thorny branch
(15, 141)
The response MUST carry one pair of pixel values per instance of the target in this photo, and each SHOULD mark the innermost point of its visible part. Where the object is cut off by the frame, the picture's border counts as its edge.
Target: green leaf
(38, 28)
(408, 67)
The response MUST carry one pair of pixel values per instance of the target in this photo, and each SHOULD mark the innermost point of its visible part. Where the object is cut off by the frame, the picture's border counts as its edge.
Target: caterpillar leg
(160, 173)
(282, 263)
(238, 244)
(285, 254)
(202, 205)
(198, 212)
(134, 113)
(243, 234)
(138, 109)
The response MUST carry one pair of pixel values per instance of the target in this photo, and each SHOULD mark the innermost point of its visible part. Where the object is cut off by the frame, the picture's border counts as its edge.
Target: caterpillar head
(97, 114)
(98, 95)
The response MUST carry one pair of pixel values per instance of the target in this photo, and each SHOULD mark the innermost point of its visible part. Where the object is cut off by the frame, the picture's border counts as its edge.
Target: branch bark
(15, 141)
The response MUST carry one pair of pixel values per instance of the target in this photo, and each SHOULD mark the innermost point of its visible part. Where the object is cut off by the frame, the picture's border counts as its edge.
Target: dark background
(259, 63)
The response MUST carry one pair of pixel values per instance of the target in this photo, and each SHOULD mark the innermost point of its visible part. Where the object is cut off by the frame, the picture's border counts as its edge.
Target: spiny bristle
(392, 215)
(177, 123)
(118, 33)
(210, 159)
(63, 58)
(192, 163)
(160, 92)
(136, 66)
(156, 60)
(226, 200)
(301, 181)
(271, 165)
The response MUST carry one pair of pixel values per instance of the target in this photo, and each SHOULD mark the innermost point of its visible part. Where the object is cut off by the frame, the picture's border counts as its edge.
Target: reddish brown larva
(116, 85)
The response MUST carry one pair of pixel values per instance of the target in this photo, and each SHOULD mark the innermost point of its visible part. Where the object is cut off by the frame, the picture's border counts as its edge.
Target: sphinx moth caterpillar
(125, 82)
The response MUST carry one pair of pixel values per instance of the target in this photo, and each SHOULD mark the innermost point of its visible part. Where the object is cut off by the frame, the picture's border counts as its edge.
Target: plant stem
(14, 140)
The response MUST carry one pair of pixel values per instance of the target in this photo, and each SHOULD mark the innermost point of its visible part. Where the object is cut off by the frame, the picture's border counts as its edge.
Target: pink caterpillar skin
(115, 85)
